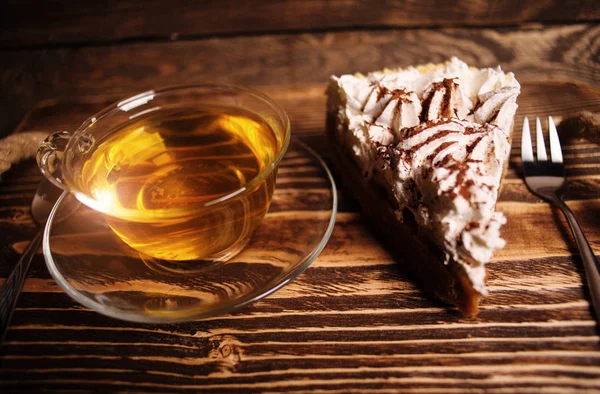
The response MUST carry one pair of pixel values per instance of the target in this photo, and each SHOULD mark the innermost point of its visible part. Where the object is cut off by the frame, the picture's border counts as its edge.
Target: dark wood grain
(557, 53)
(27, 22)
(565, 53)
(353, 322)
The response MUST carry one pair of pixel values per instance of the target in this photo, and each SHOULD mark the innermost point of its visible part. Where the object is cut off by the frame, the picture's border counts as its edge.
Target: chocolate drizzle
(472, 146)
(381, 92)
(390, 155)
(374, 85)
(494, 115)
(444, 161)
(412, 131)
(399, 95)
(446, 110)
(437, 150)
(463, 185)
(438, 135)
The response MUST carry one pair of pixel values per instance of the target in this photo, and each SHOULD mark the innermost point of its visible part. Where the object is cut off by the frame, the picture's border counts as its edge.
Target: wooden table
(353, 322)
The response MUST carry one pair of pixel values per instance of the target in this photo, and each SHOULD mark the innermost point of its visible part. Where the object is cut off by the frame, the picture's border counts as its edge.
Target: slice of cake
(423, 149)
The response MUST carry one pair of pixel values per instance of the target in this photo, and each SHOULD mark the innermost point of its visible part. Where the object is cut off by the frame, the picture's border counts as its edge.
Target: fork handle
(10, 291)
(590, 263)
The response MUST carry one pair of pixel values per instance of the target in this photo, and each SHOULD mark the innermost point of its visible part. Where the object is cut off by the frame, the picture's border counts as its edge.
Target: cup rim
(174, 213)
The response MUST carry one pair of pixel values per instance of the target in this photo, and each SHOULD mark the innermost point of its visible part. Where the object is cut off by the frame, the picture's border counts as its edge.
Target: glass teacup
(183, 173)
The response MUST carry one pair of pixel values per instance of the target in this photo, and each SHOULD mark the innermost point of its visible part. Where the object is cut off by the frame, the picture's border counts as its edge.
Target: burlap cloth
(17, 147)
(584, 125)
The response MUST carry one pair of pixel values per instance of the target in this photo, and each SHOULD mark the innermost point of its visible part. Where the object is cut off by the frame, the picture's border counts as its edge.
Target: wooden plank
(551, 53)
(563, 53)
(66, 22)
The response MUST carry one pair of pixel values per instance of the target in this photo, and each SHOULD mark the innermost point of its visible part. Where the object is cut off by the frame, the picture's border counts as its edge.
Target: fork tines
(527, 147)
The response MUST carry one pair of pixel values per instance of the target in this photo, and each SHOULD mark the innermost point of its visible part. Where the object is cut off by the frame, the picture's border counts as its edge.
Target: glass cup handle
(50, 156)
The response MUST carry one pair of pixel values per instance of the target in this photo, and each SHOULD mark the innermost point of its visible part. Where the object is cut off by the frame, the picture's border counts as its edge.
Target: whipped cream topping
(438, 137)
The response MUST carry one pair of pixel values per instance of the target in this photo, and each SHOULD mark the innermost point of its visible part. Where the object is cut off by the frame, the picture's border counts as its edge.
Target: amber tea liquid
(151, 176)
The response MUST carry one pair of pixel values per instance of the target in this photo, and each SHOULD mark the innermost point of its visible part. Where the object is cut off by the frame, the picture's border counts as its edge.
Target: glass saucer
(101, 272)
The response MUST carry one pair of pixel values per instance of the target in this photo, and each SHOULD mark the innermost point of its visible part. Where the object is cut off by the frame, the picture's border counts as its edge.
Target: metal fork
(546, 179)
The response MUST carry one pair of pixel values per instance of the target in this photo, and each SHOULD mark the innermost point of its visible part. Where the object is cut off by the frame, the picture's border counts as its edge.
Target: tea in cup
(182, 173)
